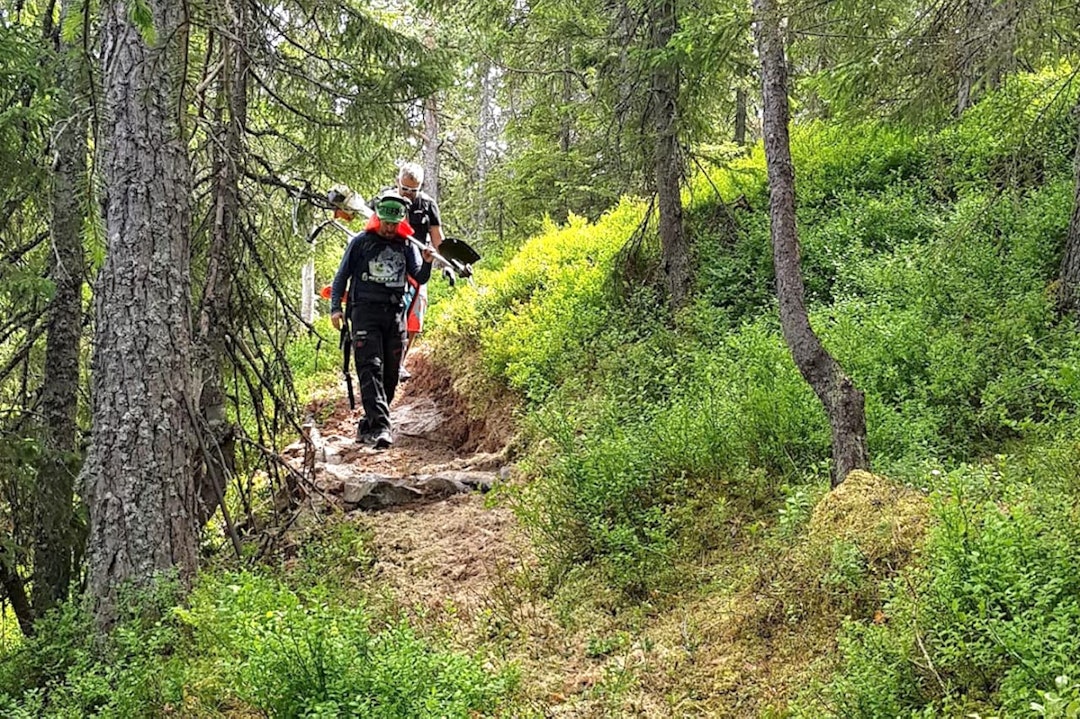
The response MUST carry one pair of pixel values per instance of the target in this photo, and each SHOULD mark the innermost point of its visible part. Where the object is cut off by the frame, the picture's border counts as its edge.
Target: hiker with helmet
(424, 219)
(376, 267)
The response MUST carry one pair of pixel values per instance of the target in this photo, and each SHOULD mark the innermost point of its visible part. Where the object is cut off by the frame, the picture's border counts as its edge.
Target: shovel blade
(459, 251)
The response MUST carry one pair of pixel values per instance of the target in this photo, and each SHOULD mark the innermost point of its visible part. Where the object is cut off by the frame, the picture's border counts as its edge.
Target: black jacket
(374, 269)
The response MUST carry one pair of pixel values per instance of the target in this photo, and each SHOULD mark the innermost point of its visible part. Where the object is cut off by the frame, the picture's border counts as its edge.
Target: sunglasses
(406, 190)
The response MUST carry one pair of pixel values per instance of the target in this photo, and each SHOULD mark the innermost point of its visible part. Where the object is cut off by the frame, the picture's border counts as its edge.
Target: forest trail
(436, 541)
(442, 551)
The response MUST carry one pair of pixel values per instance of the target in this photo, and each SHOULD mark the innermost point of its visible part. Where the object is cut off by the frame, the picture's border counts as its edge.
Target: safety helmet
(391, 207)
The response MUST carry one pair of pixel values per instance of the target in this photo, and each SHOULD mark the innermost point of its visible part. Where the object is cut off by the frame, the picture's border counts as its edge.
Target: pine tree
(843, 401)
(139, 472)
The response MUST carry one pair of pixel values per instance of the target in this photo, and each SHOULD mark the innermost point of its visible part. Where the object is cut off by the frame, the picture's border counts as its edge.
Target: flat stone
(379, 494)
(470, 479)
(330, 485)
(359, 486)
(420, 418)
(339, 472)
(355, 492)
(439, 486)
(332, 455)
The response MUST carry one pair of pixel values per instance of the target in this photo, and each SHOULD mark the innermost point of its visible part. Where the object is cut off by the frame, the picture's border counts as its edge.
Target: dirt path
(447, 553)
(439, 544)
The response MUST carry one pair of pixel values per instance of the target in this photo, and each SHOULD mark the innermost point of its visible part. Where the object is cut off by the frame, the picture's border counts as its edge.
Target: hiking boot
(364, 433)
(403, 374)
(383, 439)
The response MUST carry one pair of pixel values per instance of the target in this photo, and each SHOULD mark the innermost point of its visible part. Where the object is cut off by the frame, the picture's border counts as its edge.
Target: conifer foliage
(159, 161)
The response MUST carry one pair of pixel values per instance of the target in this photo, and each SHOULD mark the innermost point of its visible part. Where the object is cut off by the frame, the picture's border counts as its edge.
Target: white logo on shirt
(387, 268)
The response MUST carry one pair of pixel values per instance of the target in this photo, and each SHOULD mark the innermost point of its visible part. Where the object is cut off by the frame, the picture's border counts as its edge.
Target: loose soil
(459, 567)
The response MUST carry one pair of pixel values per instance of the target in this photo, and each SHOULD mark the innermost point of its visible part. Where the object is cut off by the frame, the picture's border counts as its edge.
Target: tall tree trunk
(740, 116)
(138, 475)
(56, 540)
(485, 134)
(667, 159)
(1004, 16)
(216, 432)
(1069, 294)
(842, 400)
(970, 52)
(14, 590)
(430, 152)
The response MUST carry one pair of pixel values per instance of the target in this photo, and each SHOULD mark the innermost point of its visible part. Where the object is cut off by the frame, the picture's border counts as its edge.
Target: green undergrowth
(286, 641)
(315, 358)
(984, 624)
(930, 258)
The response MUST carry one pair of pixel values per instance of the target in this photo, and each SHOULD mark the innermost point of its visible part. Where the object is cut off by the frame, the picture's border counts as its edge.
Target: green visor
(390, 210)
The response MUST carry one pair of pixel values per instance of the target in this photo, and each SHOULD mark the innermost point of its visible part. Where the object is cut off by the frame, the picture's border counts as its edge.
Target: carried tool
(453, 254)
(345, 345)
(459, 251)
(345, 341)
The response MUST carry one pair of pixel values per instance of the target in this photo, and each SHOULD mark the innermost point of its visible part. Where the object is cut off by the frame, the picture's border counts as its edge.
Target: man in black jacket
(426, 223)
(375, 266)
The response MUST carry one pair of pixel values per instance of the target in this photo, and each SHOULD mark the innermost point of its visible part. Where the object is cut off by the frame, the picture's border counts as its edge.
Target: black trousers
(378, 341)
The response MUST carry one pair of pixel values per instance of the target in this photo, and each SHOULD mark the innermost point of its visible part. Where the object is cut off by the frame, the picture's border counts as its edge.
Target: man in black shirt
(424, 219)
(376, 268)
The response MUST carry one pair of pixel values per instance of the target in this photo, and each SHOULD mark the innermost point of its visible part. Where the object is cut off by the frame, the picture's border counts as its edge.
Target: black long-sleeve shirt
(374, 268)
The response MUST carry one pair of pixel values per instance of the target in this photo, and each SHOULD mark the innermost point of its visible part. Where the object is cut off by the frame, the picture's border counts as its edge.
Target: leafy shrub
(734, 275)
(314, 359)
(1062, 701)
(67, 670)
(833, 160)
(530, 317)
(861, 228)
(538, 345)
(599, 501)
(1017, 136)
(739, 179)
(304, 657)
(242, 639)
(989, 619)
(742, 403)
(799, 502)
(951, 338)
(642, 474)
